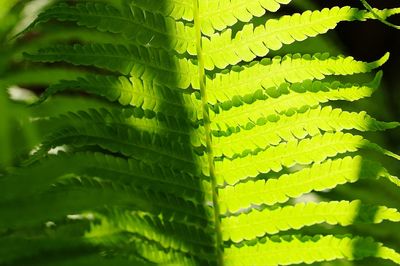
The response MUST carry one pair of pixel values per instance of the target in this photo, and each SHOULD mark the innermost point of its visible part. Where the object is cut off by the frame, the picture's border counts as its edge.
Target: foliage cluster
(189, 136)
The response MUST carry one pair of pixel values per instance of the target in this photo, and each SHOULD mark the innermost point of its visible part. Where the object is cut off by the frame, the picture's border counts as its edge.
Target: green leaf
(298, 249)
(250, 42)
(138, 26)
(318, 177)
(270, 74)
(140, 62)
(132, 92)
(257, 223)
(298, 126)
(307, 151)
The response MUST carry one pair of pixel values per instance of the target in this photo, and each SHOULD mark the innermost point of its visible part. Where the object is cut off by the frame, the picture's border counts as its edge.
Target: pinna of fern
(204, 142)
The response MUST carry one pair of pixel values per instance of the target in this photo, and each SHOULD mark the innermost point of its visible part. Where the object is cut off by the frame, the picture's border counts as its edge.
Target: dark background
(368, 41)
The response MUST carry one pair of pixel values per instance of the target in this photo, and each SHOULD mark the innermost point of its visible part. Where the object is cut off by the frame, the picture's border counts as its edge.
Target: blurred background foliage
(22, 124)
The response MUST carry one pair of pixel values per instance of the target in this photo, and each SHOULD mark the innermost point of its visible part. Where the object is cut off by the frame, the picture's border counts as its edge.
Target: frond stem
(383, 20)
(207, 122)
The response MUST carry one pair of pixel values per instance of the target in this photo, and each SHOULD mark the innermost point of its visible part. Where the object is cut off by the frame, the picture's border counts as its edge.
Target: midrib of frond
(207, 129)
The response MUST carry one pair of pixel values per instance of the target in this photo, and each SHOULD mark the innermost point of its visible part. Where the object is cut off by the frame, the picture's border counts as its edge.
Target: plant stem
(207, 122)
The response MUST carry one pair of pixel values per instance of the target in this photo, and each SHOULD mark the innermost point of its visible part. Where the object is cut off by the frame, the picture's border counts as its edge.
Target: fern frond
(297, 126)
(160, 231)
(38, 178)
(214, 15)
(297, 249)
(85, 250)
(247, 226)
(218, 15)
(130, 142)
(173, 72)
(177, 9)
(148, 250)
(138, 26)
(76, 196)
(318, 177)
(133, 92)
(140, 62)
(36, 209)
(273, 73)
(177, 127)
(199, 146)
(125, 244)
(306, 151)
(294, 98)
(225, 49)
